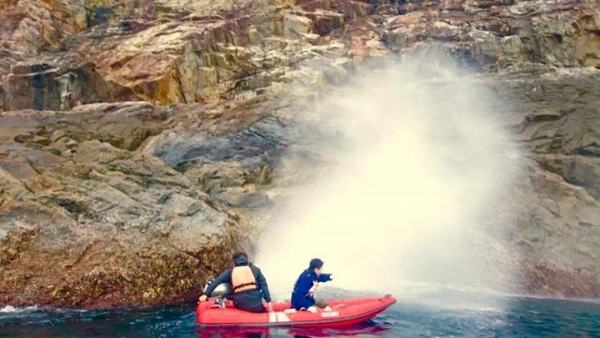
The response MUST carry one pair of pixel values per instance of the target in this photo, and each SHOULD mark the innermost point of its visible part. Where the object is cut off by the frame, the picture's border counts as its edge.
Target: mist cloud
(420, 161)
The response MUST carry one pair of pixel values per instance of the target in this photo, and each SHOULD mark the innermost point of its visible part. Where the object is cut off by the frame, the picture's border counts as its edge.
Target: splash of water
(422, 163)
(12, 309)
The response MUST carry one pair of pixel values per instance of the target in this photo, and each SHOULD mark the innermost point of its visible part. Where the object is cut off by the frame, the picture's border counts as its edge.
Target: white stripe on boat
(278, 317)
(282, 317)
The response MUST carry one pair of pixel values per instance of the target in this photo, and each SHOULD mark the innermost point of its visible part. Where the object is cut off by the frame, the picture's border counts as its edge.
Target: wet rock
(33, 87)
(215, 176)
(294, 26)
(326, 22)
(183, 59)
(240, 198)
(115, 223)
(558, 198)
(501, 34)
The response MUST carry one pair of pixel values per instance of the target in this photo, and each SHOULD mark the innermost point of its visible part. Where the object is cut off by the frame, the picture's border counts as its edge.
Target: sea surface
(518, 317)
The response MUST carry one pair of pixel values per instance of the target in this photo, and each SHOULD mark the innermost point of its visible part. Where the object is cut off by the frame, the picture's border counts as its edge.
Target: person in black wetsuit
(303, 294)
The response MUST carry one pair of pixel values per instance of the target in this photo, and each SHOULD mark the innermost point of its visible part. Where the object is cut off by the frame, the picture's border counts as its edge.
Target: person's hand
(312, 290)
(270, 307)
(202, 299)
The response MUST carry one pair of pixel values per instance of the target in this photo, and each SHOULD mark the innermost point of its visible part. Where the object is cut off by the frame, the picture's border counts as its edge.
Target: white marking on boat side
(272, 317)
(282, 317)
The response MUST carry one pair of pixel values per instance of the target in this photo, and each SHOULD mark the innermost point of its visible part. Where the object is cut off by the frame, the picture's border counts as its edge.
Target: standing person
(247, 284)
(304, 289)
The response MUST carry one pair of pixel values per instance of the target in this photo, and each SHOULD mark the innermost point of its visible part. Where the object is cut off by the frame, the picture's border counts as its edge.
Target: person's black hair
(238, 255)
(315, 263)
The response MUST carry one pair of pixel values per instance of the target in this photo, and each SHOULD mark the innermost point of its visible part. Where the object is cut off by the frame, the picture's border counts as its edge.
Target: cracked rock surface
(140, 140)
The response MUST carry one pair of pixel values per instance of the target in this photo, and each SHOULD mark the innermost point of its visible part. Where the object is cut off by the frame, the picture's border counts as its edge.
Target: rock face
(139, 139)
(501, 33)
(88, 222)
(169, 52)
(557, 231)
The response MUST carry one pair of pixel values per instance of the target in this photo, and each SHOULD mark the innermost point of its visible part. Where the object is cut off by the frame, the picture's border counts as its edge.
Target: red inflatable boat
(342, 312)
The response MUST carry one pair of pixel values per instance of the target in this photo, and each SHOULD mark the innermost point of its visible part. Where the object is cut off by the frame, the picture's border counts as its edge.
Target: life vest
(242, 279)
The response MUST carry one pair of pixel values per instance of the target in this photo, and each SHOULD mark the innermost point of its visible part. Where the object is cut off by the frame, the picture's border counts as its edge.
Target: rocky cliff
(139, 139)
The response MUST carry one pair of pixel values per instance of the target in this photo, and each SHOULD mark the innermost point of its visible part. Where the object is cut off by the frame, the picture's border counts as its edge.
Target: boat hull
(342, 313)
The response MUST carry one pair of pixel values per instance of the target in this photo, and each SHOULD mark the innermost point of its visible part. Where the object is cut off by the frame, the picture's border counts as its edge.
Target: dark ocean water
(521, 317)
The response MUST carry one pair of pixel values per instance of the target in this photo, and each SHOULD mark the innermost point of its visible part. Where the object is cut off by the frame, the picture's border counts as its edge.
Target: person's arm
(225, 277)
(261, 281)
(324, 277)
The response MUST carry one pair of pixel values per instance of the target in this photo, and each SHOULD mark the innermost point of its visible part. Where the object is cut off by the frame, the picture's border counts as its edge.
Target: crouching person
(306, 285)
